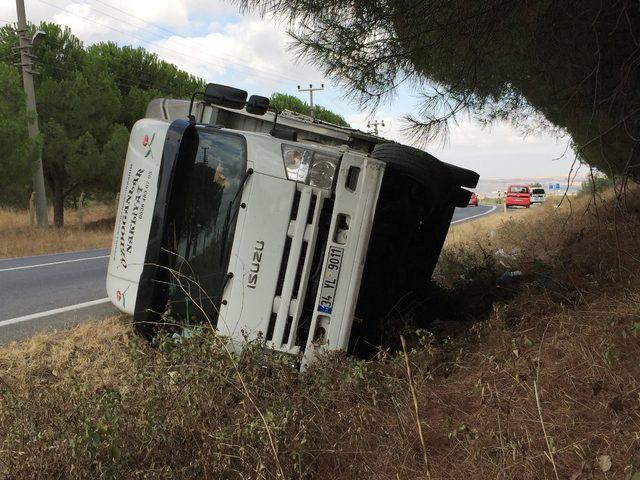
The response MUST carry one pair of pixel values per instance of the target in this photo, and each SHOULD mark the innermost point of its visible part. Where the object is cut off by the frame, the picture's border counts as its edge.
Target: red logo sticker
(145, 141)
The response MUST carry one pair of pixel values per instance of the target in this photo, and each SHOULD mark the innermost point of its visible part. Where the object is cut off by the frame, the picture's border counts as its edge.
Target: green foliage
(16, 150)
(87, 100)
(573, 65)
(283, 101)
(596, 184)
(140, 76)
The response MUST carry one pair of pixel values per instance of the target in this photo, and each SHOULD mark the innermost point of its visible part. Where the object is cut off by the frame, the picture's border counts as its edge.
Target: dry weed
(544, 384)
(18, 238)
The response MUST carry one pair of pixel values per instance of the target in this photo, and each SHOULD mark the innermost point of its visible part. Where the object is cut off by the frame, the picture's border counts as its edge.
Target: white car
(537, 194)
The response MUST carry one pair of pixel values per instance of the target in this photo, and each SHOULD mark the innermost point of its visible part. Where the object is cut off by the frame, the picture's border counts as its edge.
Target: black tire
(410, 161)
(441, 179)
(421, 165)
(405, 244)
(413, 214)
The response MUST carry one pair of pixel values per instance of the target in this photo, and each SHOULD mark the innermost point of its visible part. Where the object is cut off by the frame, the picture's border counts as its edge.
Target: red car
(518, 196)
(473, 200)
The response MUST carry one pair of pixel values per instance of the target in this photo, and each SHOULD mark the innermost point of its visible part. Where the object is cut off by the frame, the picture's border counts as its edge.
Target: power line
(25, 42)
(143, 40)
(311, 90)
(247, 67)
(375, 124)
(119, 80)
(136, 17)
(174, 33)
(179, 39)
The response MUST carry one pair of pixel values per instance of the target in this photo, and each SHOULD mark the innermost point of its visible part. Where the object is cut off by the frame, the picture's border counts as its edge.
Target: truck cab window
(195, 233)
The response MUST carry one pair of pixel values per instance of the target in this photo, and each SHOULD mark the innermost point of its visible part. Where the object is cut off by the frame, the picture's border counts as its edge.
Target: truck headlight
(317, 169)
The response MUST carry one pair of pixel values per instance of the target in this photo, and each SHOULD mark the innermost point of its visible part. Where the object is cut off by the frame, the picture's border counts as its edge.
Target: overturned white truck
(279, 227)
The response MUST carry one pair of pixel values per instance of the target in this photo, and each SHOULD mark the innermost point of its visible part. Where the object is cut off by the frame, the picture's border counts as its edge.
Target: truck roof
(307, 128)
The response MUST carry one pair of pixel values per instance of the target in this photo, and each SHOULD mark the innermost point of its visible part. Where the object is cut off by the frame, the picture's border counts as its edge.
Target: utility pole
(26, 62)
(375, 124)
(311, 90)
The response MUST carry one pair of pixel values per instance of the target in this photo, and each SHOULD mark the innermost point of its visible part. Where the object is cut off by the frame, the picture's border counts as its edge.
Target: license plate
(330, 279)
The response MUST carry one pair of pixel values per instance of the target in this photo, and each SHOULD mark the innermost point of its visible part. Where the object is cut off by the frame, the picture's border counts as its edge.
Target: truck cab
(286, 232)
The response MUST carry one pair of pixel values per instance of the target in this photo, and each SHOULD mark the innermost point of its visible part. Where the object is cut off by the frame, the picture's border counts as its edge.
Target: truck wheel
(413, 214)
(421, 165)
(441, 179)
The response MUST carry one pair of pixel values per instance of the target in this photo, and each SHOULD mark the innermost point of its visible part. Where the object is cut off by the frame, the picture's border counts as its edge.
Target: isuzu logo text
(252, 280)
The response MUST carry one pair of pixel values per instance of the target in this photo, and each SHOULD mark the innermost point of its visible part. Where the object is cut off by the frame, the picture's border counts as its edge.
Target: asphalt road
(50, 292)
(470, 213)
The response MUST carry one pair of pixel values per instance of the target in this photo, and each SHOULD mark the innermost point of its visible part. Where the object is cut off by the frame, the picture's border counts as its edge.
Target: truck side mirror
(257, 105)
(224, 96)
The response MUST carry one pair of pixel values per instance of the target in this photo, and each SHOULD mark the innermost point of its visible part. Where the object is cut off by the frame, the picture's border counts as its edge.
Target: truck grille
(299, 270)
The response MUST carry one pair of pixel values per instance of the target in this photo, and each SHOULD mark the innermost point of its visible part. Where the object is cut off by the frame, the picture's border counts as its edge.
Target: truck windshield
(205, 192)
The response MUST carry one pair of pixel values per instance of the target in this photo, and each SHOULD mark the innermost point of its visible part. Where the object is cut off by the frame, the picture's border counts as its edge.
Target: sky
(213, 40)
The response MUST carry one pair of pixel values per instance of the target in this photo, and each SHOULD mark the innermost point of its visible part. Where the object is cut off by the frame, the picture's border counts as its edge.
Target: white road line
(55, 311)
(53, 254)
(53, 263)
(469, 218)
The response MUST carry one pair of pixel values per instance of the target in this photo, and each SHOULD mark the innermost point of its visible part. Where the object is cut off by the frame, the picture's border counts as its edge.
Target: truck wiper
(232, 210)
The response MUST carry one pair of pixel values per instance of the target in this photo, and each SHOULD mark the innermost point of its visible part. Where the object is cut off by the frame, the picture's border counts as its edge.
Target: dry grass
(541, 382)
(19, 239)
(468, 231)
(83, 354)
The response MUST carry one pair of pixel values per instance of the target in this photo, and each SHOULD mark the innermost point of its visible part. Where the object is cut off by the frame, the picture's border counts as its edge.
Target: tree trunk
(58, 207)
(56, 180)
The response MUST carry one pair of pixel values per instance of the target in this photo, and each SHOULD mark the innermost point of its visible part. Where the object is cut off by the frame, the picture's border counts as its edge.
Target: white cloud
(90, 23)
(168, 13)
(122, 20)
(393, 129)
(209, 39)
(90, 26)
(248, 49)
(209, 8)
(499, 150)
(251, 50)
